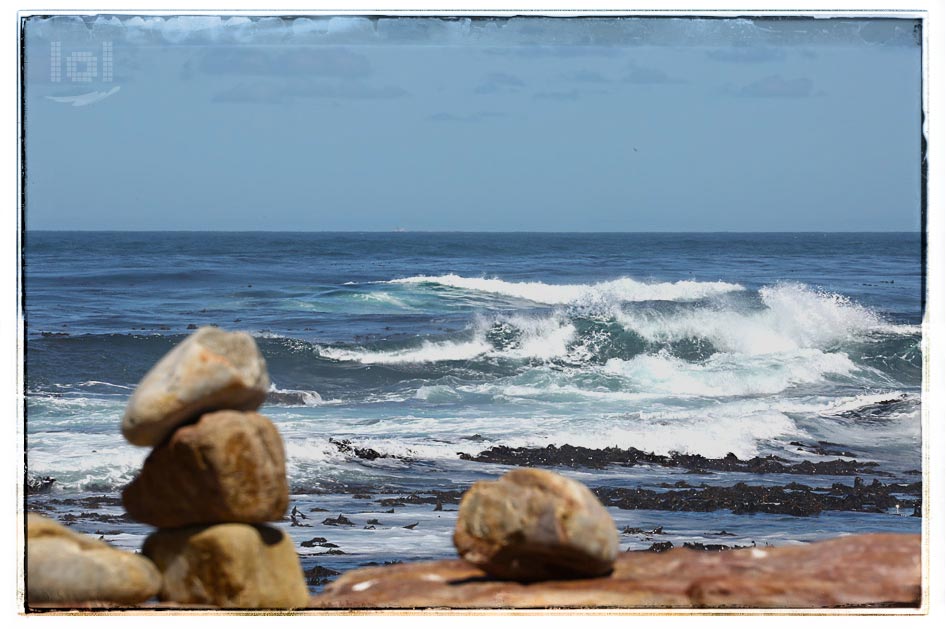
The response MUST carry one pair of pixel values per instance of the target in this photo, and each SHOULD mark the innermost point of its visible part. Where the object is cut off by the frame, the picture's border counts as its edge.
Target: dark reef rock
(319, 575)
(576, 456)
(797, 500)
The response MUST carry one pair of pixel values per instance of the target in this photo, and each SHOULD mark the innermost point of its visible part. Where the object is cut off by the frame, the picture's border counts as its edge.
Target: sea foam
(623, 289)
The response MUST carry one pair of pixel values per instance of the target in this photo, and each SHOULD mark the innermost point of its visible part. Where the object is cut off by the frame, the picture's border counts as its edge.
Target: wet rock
(793, 499)
(659, 547)
(210, 370)
(65, 567)
(39, 484)
(861, 570)
(572, 456)
(534, 524)
(339, 521)
(228, 565)
(228, 467)
(319, 575)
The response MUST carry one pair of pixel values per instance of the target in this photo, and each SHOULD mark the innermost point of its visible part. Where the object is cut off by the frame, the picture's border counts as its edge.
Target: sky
(508, 124)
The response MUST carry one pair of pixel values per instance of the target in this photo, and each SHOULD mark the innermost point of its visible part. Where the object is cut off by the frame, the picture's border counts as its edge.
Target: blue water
(412, 343)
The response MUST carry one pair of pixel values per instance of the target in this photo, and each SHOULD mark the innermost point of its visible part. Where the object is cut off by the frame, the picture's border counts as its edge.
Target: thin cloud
(585, 76)
(641, 75)
(569, 95)
(281, 93)
(746, 54)
(776, 86)
(318, 61)
(479, 116)
(499, 82)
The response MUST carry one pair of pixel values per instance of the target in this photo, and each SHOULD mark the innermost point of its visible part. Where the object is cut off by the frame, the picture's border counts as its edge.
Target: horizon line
(468, 231)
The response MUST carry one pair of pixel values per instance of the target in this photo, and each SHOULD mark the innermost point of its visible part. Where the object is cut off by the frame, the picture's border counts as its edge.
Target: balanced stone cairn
(215, 476)
(533, 525)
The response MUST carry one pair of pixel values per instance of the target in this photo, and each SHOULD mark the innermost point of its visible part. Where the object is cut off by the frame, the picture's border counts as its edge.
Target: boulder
(64, 567)
(879, 570)
(534, 524)
(229, 565)
(210, 370)
(228, 467)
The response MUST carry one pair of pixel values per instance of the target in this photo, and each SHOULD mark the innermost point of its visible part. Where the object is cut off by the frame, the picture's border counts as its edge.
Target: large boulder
(210, 370)
(228, 467)
(532, 525)
(229, 565)
(65, 567)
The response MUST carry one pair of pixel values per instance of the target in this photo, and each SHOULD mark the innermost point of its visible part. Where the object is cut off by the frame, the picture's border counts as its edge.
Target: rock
(534, 524)
(210, 370)
(65, 567)
(858, 570)
(228, 565)
(228, 467)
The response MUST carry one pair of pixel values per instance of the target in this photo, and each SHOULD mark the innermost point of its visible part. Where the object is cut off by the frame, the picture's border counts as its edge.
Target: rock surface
(210, 370)
(229, 565)
(534, 524)
(862, 570)
(228, 467)
(65, 567)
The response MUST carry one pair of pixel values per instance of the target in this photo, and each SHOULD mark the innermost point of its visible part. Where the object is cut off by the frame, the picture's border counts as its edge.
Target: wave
(514, 337)
(623, 289)
(793, 317)
(726, 374)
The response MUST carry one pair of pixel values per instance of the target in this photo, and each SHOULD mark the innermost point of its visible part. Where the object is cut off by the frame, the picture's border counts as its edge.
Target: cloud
(320, 61)
(569, 95)
(479, 116)
(499, 82)
(281, 93)
(776, 86)
(746, 54)
(640, 75)
(536, 51)
(585, 76)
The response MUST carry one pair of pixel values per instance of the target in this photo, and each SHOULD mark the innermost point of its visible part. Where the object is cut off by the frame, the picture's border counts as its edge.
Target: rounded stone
(210, 370)
(533, 525)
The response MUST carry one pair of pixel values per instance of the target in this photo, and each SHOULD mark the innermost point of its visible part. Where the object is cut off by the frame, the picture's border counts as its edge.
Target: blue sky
(536, 124)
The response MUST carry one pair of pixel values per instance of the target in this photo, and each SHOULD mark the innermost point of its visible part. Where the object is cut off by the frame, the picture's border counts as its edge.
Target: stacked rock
(533, 525)
(216, 475)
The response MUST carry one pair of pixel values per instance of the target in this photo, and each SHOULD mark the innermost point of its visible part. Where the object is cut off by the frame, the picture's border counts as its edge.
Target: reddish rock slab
(853, 571)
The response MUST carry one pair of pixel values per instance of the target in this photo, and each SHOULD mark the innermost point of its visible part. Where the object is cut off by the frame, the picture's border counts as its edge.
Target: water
(422, 346)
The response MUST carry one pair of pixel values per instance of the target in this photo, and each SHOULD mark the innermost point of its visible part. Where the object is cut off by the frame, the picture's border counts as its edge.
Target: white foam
(427, 353)
(727, 374)
(540, 338)
(623, 289)
(794, 317)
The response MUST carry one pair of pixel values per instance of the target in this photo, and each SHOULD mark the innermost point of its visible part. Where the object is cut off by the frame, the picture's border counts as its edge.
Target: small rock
(228, 565)
(533, 525)
(339, 521)
(228, 467)
(210, 370)
(65, 567)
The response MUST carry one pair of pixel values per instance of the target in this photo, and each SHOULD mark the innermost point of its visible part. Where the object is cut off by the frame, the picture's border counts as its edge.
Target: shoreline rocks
(578, 456)
(875, 570)
(229, 565)
(227, 467)
(65, 567)
(532, 525)
(216, 475)
(208, 371)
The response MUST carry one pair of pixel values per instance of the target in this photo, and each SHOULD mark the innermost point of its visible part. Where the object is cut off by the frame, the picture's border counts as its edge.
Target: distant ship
(399, 229)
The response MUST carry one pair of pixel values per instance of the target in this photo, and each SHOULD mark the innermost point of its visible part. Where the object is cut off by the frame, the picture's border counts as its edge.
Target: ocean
(707, 385)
